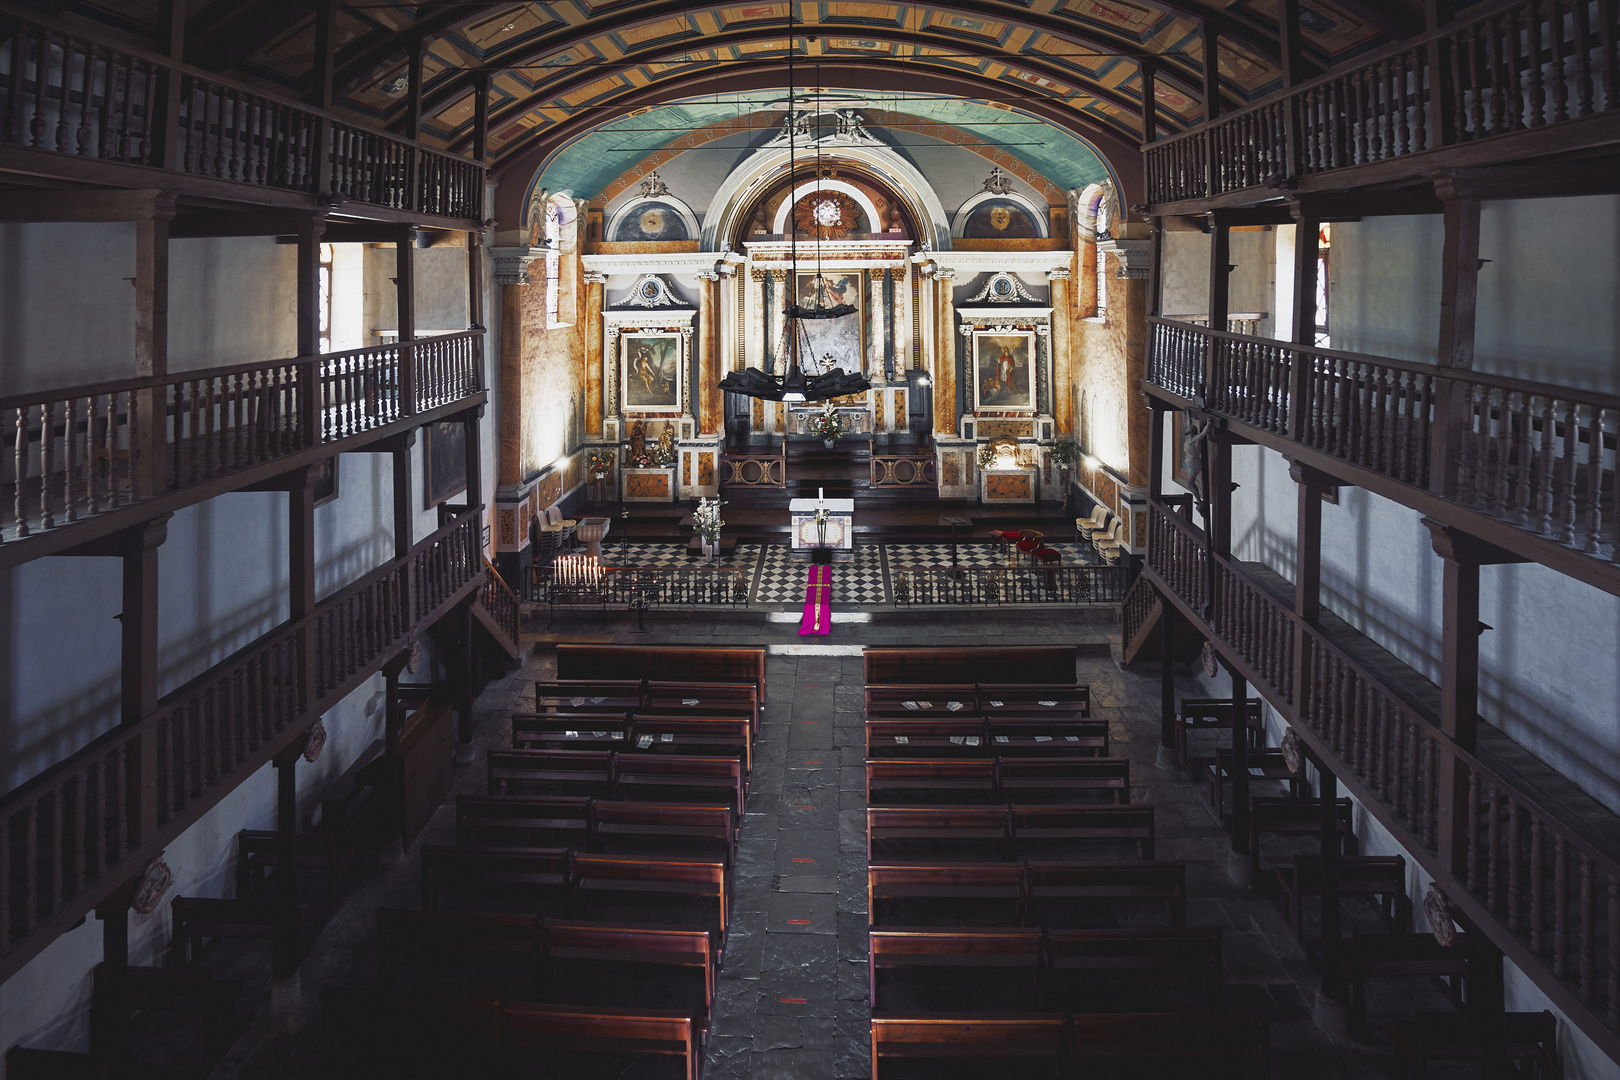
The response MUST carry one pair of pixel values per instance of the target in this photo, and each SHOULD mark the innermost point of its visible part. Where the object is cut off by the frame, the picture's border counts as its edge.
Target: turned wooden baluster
(1588, 950)
(1560, 906)
(85, 132)
(1549, 452)
(1431, 790)
(70, 468)
(1493, 854)
(47, 430)
(1583, 59)
(1524, 467)
(1468, 465)
(1558, 59)
(1503, 441)
(63, 96)
(1515, 868)
(1594, 479)
(1538, 873)
(1538, 91)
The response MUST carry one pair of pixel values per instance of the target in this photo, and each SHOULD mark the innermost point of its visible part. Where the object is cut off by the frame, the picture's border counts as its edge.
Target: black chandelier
(794, 384)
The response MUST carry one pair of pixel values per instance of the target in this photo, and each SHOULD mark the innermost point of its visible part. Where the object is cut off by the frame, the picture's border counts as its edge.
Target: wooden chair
(1265, 765)
(1380, 876)
(1527, 1038)
(197, 918)
(1016, 1041)
(1211, 714)
(1113, 883)
(1230, 1044)
(523, 821)
(974, 952)
(966, 889)
(1034, 825)
(932, 780)
(1029, 542)
(951, 826)
(1103, 955)
(1404, 956)
(529, 1027)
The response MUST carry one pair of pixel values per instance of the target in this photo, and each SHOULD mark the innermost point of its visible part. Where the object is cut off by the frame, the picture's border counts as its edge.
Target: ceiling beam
(356, 61)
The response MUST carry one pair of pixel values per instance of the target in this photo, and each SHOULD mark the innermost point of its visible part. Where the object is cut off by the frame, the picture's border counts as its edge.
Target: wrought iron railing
(988, 586)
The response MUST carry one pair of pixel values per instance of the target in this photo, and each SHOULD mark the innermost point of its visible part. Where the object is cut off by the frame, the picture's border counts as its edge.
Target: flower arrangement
(656, 456)
(707, 519)
(829, 425)
(987, 455)
(599, 461)
(1064, 451)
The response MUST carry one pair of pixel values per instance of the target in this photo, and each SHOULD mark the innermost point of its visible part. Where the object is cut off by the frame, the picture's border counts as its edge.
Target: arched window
(1102, 259)
(554, 224)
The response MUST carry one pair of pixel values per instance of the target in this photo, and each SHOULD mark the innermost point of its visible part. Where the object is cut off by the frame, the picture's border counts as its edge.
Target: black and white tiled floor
(979, 553)
(780, 580)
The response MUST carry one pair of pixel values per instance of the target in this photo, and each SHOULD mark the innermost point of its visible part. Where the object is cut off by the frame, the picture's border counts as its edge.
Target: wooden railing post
(1459, 302)
(1442, 91)
(1333, 984)
(1220, 290)
(301, 575)
(1307, 234)
(1307, 575)
(164, 124)
(320, 95)
(405, 286)
(284, 931)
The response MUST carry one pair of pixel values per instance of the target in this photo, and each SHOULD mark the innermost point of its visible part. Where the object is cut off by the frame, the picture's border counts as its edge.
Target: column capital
(1059, 274)
(1453, 544)
(512, 263)
(594, 277)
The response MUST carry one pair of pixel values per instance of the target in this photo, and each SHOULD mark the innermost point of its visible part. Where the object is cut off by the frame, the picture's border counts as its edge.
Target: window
(1102, 259)
(325, 285)
(1324, 241)
(554, 222)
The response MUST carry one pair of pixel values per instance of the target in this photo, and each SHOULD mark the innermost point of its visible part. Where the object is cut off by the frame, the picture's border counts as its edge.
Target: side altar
(837, 533)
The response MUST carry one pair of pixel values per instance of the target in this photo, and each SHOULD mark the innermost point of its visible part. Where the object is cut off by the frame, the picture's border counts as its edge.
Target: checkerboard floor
(781, 581)
(674, 553)
(977, 553)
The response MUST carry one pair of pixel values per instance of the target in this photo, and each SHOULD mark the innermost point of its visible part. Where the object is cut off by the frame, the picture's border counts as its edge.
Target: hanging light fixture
(794, 385)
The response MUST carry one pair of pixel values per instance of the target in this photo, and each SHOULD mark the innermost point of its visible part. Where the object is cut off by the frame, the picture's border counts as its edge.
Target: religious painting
(825, 344)
(652, 221)
(444, 460)
(1004, 370)
(1000, 219)
(326, 481)
(652, 372)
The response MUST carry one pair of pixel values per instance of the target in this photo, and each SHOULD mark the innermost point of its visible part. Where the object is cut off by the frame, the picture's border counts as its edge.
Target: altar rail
(1543, 882)
(755, 470)
(88, 823)
(1500, 71)
(989, 586)
(85, 450)
(904, 471)
(87, 98)
(1533, 455)
(644, 587)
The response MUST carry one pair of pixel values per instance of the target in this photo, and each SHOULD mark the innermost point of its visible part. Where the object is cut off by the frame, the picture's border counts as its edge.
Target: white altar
(839, 533)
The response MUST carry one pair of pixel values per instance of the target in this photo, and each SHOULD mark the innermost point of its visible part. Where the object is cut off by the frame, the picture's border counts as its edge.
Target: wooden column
(139, 621)
(1333, 983)
(1220, 287)
(1156, 448)
(1440, 127)
(945, 355)
(413, 92)
(405, 301)
(404, 495)
(301, 573)
(1150, 102)
(1288, 44)
(1240, 764)
(319, 93)
(109, 1016)
(1307, 237)
(1212, 73)
(1307, 572)
(308, 311)
(152, 344)
(475, 281)
(472, 419)
(170, 40)
(284, 931)
(1459, 301)
(708, 387)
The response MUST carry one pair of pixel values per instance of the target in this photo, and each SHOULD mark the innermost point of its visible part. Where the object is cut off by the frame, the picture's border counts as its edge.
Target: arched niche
(1088, 204)
(666, 206)
(987, 199)
(874, 220)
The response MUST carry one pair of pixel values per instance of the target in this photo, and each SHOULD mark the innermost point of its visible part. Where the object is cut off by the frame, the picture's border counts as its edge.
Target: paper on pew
(901, 739)
(601, 734)
(595, 700)
(1048, 704)
(1072, 738)
(1043, 738)
(973, 740)
(689, 702)
(577, 702)
(956, 740)
(644, 742)
(570, 734)
(925, 704)
(1001, 738)
(912, 705)
(666, 738)
(1253, 771)
(954, 706)
(995, 704)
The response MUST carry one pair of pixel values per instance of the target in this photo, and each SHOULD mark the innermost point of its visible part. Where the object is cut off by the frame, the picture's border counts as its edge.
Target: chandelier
(795, 385)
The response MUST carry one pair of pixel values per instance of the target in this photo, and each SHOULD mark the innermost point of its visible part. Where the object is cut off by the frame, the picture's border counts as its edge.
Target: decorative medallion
(826, 215)
(1207, 659)
(1291, 754)
(315, 742)
(1003, 288)
(1000, 218)
(155, 881)
(1437, 909)
(651, 291)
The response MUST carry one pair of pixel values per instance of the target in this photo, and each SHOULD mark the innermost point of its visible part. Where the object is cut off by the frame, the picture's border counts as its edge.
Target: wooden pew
(1381, 876)
(1395, 956)
(527, 1027)
(658, 880)
(587, 695)
(405, 937)
(1530, 1038)
(958, 949)
(1034, 824)
(549, 772)
(703, 779)
(523, 821)
(706, 735)
(1015, 1040)
(174, 990)
(1019, 778)
(26, 1063)
(1267, 760)
(1189, 950)
(920, 700)
(931, 737)
(1047, 735)
(391, 1033)
(532, 877)
(1234, 1044)
(957, 886)
(195, 918)
(1269, 816)
(951, 666)
(948, 825)
(1116, 882)
(707, 832)
(960, 781)
(688, 955)
(665, 663)
(702, 699)
(1214, 714)
(570, 731)
(1034, 699)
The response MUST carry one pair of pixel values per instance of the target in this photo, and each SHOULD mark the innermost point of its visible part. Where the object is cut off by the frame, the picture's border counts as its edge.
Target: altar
(837, 535)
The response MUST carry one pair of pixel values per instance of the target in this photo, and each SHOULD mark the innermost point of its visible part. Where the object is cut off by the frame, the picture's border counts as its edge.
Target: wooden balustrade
(755, 470)
(1537, 456)
(75, 94)
(89, 822)
(85, 450)
(1550, 878)
(1135, 609)
(1511, 67)
(1244, 322)
(501, 602)
(985, 586)
(903, 470)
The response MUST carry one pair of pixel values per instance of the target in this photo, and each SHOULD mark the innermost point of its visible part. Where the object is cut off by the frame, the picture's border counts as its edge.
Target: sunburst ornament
(825, 215)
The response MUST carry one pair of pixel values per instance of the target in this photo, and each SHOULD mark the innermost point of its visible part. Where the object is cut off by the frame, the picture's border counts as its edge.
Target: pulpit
(836, 534)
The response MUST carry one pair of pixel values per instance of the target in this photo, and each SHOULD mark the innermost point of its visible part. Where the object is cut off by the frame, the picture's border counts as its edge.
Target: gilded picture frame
(1003, 370)
(652, 365)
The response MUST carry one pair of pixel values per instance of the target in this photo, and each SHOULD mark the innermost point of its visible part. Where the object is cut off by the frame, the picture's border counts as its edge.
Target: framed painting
(1004, 370)
(444, 461)
(832, 343)
(326, 481)
(652, 367)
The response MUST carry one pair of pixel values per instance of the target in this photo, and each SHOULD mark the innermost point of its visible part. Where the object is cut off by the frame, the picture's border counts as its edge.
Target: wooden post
(152, 346)
(1212, 74)
(475, 282)
(170, 40)
(139, 621)
(1333, 985)
(1288, 44)
(308, 313)
(413, 93)
(1307, 235)
(480, 141)
(1220, 289)
(1156, 448)
(1307, 573)
(1440, 128)
(1240, 764)
(1459, 687)
(320, 93)
(284, 931)
(1150, 103)
(301, 574)
(404, 499)
(109, 1019)
(475, 457)
(1459, 302)
(1167, 678)
(405, 299)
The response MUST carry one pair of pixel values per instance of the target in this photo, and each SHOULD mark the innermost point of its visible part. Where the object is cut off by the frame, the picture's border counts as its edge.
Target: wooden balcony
(88, 460)
(78, 107)
(85, 826)
(1536, 862)
(1529, 467)
(1510, 81)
